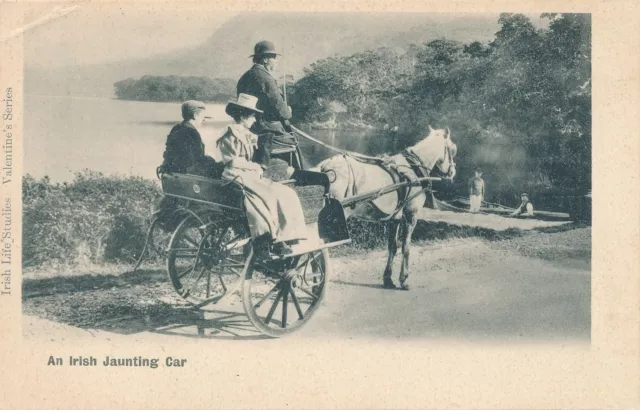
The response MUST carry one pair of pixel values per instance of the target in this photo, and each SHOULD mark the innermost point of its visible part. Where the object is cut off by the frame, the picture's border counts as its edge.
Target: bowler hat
(264, 47)
(244, 103)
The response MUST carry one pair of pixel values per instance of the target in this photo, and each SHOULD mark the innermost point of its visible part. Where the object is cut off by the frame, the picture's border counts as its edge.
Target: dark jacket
(260, 83)
(184, 152)
(269, 125)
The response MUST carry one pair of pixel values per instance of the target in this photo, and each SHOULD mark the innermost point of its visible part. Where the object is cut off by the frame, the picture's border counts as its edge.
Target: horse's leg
(410, 222)
(392, 246)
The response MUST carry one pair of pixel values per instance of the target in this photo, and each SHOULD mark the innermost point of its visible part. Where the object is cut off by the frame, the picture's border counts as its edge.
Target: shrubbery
(94, 219)
(518, 106)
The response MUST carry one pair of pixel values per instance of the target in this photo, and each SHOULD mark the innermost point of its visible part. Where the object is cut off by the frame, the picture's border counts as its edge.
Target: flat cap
(192, 107)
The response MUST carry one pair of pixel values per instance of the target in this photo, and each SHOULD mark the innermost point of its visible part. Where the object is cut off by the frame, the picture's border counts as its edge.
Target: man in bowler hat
(273, 123)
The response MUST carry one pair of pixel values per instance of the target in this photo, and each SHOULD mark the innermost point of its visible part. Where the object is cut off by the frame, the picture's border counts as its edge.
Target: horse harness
(396, 175)
(351, 182)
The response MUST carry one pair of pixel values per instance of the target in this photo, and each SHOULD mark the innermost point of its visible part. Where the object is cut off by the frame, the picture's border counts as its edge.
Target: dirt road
(534, 287)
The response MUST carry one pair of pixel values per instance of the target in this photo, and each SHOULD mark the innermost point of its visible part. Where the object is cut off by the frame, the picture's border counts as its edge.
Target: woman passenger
(273, 209)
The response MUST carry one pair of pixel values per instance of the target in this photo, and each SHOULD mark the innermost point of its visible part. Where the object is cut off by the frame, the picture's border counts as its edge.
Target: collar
(261, 67)
(187, 124)
(416, 163)
(238, 130)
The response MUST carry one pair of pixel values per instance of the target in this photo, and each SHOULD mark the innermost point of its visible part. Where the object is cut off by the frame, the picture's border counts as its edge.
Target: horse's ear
(448, 135)
(430, 129)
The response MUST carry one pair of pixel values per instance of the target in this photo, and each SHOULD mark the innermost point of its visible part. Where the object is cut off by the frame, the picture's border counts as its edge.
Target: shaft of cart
(371, 195)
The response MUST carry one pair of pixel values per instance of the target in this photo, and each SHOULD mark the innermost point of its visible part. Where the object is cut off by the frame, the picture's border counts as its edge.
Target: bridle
(416, 161)
(447, 152)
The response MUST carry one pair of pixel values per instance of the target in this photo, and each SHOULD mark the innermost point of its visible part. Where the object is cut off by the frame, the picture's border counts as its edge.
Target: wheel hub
(294, 278)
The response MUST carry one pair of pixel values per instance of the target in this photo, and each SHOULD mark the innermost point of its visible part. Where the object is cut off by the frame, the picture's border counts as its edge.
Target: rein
(331, 147)
(415, 164)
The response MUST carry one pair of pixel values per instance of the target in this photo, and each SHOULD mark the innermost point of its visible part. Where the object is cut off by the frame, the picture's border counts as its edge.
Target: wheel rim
(205, 260)
(280, 297)
(159, 241)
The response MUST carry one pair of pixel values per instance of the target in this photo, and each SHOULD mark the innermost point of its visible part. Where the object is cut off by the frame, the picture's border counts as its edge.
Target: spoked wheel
(205, 259)
(156, 243)
(281, 296)
(159, 240)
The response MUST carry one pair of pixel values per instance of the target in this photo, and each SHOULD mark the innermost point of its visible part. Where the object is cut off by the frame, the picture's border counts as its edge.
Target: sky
(104, 32)
(110, 32)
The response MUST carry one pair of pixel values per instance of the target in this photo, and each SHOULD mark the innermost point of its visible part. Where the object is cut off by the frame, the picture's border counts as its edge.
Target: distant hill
(303, 38)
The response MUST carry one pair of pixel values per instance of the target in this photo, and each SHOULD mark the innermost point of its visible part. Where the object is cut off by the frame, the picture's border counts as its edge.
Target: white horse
(350, 175)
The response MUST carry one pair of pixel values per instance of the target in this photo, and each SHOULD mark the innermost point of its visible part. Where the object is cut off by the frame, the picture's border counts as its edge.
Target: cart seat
(223, 194)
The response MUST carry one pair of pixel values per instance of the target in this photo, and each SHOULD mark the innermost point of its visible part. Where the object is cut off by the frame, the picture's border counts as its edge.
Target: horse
(351, 174)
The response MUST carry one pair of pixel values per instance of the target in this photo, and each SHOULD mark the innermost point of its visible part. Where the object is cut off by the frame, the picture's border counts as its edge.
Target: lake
(64, 135)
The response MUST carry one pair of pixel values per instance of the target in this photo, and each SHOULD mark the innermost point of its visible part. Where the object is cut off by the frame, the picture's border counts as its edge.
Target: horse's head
(437, 150)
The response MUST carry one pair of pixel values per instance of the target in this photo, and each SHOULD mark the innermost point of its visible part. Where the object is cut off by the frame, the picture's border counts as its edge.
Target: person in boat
(476, 191)
(525, 209)
(272, 125)
(184, 151)
(274, 210)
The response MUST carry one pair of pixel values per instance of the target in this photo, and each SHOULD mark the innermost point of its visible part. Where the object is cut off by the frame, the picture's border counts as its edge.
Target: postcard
(364, 205)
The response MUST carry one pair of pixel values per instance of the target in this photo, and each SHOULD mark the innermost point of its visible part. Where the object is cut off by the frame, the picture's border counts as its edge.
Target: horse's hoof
(388, 284)
(404, 284)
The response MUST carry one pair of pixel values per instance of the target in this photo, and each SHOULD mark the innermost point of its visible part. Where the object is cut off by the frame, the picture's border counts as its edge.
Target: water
(64, 135)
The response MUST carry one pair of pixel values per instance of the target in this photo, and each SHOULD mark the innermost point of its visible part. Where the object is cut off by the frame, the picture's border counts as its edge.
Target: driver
(273, 123)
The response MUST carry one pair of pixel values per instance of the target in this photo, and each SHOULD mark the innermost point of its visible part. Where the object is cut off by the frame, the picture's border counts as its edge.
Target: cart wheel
(280, 297)
(205, 260)
(155, 245)
(158, 240)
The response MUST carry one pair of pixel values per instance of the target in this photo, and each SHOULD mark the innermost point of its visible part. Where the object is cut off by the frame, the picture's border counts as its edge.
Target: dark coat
(184, 152)
(269, 125)
(260, 83)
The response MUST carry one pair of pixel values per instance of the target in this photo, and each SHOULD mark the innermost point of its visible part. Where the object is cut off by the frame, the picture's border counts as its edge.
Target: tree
(520, 104)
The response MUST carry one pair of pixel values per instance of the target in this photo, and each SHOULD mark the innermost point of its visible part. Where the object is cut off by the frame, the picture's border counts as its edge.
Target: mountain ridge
(303, 39)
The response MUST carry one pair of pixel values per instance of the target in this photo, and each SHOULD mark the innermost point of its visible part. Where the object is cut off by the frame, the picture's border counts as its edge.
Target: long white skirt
(272, 207)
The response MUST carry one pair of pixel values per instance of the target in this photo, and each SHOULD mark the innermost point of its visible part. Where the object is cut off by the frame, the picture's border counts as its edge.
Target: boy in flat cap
(184, 151)
(184, 154)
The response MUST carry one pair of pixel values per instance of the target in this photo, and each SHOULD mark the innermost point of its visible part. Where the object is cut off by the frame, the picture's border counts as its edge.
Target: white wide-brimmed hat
(244, 102)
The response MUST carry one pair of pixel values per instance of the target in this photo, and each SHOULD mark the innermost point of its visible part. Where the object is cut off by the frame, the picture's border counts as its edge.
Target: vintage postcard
(277, 205)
